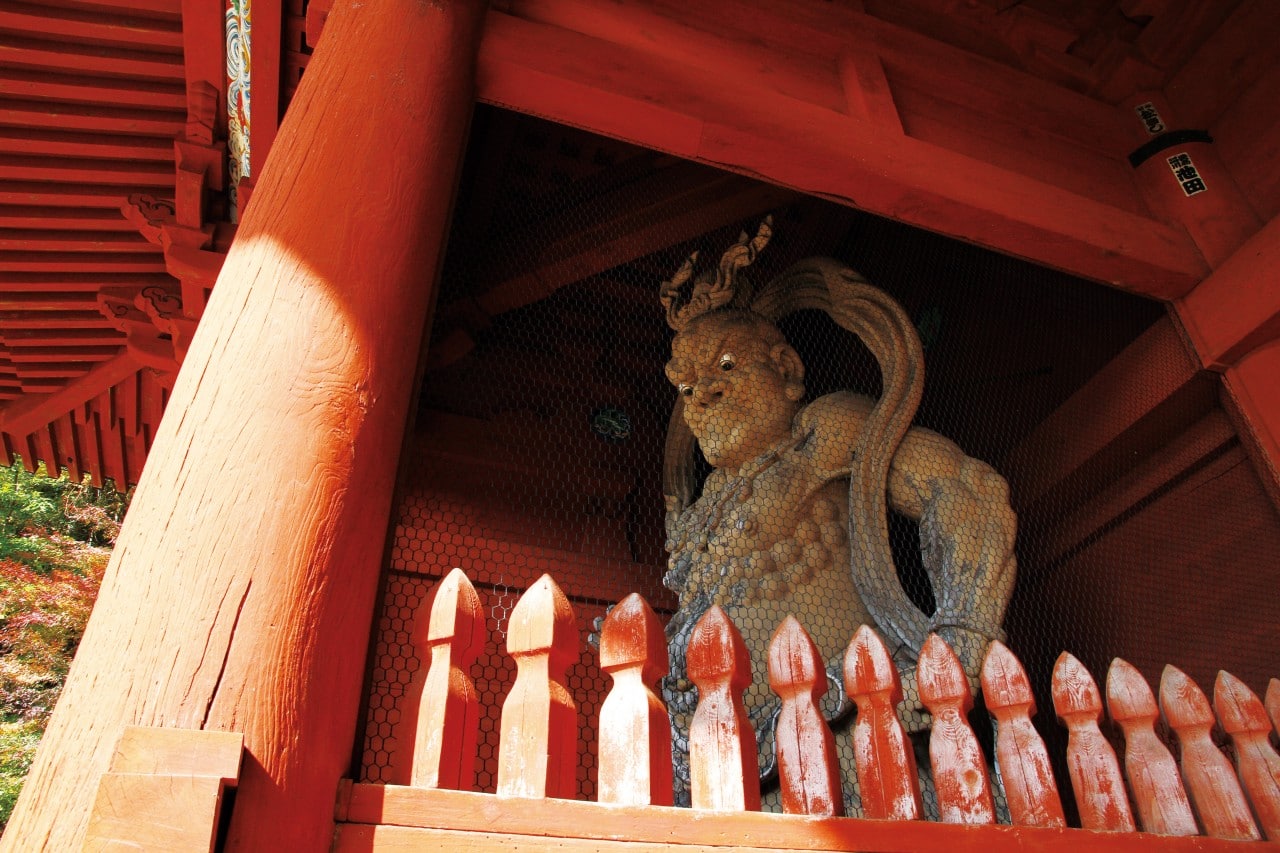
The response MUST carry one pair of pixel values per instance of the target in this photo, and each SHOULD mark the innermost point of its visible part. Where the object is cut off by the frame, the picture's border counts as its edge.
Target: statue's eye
(726, 362)
(685, 389)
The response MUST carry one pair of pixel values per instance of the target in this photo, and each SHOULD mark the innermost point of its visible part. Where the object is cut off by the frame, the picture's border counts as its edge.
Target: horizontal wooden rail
(1170, 805)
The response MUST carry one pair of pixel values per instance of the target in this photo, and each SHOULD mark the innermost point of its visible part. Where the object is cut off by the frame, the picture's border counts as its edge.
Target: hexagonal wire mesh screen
(544, 413)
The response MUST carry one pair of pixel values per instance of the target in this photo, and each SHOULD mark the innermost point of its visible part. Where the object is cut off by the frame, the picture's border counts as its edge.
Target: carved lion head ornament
(880, 322)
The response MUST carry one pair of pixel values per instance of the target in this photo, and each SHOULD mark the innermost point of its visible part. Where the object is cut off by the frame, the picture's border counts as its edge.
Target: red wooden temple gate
(248, 610)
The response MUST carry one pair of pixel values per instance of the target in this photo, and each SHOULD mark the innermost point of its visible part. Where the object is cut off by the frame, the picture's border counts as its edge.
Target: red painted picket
(1211, 780)
(1163, 807)
(538, 749)
(883, 756)
(448, 716)
(724, 770)
(1272, 703)
(539, 727)
(1245, 720)
(1029, 786)
(634, 762)
(807, 764)
(959, 768)
(1095, 772)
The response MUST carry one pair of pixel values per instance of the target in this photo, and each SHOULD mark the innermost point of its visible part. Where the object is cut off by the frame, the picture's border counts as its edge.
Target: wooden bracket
(164, 789)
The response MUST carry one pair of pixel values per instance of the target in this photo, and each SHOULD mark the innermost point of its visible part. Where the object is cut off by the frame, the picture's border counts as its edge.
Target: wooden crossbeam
(84, 88)
(629, 85)
(63, 219)
(1144, 397)
(673, 205)
(1231, 312)
(59, 143)
(33, 412)
(124, 119)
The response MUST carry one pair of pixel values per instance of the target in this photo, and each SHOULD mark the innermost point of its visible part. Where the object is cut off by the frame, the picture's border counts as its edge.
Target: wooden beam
(262, 625)
(673, 205)
(29, 414)
(1144, 397)
(103, 28)
(1237, 308)
(33, 53)
(1253, 384)
(90, 117)
(47, 85)
(58, 143)
(63, 218)
(632, 93)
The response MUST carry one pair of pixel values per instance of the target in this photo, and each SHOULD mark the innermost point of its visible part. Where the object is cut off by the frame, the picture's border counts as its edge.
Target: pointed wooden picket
(959, 768)
(537, 750)
(635, 733)
(1153, 775)
(1029, 786)
(1244, 719)
(1272, 703)
(887, 777)
(806, 748)
(448, 719)
(1095, 772)
(1211, 780)
(724, 766)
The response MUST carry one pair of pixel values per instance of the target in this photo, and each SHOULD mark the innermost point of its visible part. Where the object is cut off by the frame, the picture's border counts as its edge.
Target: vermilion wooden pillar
(241, 592)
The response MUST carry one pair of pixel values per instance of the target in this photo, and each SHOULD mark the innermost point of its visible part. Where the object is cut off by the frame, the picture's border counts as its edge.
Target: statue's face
(740, 391)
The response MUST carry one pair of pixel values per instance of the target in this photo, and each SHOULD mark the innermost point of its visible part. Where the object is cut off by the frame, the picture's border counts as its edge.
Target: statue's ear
(788, 363)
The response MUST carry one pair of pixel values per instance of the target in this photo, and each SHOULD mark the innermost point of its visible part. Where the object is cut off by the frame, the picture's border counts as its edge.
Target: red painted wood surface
(634, 759)
(1153, 775)
(1211, 780)
(1244, 719)
(1027, 775)
(538, 750)
(471, 822)
(1095, 772)
(448, 713)
(807, 763)
(959, 767)
(723, 764)
(250, 608)
(886, 764)
(1272, 703)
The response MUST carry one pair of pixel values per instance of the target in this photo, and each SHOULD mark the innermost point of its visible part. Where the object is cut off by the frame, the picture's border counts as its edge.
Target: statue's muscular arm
(967, 526)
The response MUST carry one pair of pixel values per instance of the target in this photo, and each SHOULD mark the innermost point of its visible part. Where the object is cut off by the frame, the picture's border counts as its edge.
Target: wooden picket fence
(1206, 804)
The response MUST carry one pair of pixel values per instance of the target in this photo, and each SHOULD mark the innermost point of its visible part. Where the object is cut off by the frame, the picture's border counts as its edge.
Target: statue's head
(740, 381)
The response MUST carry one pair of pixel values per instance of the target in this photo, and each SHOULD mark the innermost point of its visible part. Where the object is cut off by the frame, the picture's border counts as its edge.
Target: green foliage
(54, 545)
(18, 742)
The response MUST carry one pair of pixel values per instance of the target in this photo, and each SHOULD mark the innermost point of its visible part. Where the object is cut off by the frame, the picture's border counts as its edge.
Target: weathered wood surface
(1272, 703)
(241, 591)
(1095, 773)
(886, 765)
(724, 768)
(808, 767)
(491, 823)
(447, 710)
(634, 758)
(1029, 786)
(538, 750)
(1245, 720)
(1211, 780)
(959, 767)
(1153, 775)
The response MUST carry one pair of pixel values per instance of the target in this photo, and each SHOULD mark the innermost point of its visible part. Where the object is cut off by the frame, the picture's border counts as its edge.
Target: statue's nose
(708, 391)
